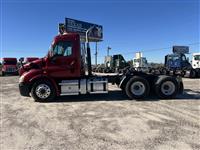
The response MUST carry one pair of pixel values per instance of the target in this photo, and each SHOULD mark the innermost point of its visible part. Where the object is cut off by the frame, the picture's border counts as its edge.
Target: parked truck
(9, 66)
(196, 63)
(25, 61)
(140, 63)
(178, 64)
(112, 64)
(30, 59)
(66, 70)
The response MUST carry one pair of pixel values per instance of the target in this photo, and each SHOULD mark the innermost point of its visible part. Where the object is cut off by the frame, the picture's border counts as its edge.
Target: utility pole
(108, 49)
(96, 54)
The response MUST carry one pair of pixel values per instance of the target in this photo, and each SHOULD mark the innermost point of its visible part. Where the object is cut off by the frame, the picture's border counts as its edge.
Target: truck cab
(177, 61)
(196, 60)
(62, 59)
(9, 66)
(115, 63)
(63, 71)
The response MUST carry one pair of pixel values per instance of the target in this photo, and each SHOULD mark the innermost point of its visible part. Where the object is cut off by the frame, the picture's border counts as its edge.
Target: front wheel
(43, 91)
(137, 87)
(166, 87)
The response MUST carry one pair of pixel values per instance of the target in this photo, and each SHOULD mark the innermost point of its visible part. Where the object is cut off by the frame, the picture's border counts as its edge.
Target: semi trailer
(66, 70)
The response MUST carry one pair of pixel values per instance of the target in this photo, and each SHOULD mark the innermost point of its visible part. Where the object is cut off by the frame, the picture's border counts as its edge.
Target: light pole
(108, 49)
(96, 54)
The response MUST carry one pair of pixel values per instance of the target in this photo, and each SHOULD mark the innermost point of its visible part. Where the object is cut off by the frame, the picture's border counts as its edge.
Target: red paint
(63, 67)
(9, 65)
(30, 59)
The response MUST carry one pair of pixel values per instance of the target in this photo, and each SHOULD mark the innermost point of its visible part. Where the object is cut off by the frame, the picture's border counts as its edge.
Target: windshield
(9, 62)
(136, 60)
(62, 48)
(173, 57)
(197, 57)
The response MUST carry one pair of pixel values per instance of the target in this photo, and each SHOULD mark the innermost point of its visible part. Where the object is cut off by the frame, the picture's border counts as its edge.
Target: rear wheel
(166, 87)
(137, 87)
(198, 73)
(43, 91)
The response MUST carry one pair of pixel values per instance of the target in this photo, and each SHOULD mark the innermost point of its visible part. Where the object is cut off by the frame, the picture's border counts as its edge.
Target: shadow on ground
(119, 96)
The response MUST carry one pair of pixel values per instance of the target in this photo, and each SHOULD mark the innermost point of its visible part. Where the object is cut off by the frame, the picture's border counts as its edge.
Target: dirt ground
(100, 122)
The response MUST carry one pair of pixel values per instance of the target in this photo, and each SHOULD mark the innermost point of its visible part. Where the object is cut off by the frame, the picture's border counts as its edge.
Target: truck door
(64, 62)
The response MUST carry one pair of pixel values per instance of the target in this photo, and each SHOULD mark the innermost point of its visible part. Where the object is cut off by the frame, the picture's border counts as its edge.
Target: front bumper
(24, 89)
(10, 72)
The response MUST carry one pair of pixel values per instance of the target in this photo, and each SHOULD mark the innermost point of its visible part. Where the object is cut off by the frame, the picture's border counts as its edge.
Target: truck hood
(36, 64)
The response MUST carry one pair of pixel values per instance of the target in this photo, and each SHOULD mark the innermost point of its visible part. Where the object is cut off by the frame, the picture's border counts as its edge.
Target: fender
(36, 74)
(46, 77)
(124, 80)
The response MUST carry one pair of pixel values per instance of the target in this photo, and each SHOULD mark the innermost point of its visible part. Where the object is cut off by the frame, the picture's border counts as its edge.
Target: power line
(155, 49)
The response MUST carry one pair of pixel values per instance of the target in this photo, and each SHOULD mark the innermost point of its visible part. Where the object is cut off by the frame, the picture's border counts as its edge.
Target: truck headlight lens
(21, 79)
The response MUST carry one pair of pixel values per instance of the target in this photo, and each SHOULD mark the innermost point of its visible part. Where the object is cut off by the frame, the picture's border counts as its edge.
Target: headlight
(21, 79)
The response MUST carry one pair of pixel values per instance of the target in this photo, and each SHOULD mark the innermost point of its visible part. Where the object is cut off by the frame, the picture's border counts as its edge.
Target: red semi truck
(9, 66)
(66, 70)
(26, 61)
(30, 59)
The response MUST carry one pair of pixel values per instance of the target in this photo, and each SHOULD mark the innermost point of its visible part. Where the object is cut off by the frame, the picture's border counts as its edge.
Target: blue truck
(178, 64)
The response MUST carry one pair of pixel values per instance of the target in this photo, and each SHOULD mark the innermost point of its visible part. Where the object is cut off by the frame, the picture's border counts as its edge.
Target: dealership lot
(100, 121)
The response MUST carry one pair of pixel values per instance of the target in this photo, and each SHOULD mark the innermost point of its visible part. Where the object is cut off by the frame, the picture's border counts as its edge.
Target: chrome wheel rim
(138, 88)
(168, 88)
(43, 91)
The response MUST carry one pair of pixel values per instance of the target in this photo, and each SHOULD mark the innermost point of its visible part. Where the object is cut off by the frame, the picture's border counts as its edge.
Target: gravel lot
(100, 122)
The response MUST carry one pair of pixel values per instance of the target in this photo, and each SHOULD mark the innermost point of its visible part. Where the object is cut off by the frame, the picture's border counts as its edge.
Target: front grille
(10, 70)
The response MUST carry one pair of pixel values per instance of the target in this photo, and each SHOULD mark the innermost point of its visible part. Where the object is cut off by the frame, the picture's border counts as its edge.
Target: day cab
(66, 70)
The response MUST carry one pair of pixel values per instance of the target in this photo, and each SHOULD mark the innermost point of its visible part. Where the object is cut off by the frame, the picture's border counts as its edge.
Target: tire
(3, 73)
(43, 91)
(166, 87)
(192, 73)
(137, 88)
(198, 73)
(181, 88)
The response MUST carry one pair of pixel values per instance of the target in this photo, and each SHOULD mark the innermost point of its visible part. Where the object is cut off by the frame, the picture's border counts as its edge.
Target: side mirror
(21, 59)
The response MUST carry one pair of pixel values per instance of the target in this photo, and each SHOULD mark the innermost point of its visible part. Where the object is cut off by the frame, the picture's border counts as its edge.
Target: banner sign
(181, 49)
(72, 25)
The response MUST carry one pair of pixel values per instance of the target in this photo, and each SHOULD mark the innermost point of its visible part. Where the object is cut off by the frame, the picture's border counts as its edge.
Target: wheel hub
(43, 91)
(138, 88)
(168, 88)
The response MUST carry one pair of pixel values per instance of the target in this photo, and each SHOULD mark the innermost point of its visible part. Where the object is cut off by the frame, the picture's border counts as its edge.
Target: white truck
(196, 60)
(196, 63)
(140, 63)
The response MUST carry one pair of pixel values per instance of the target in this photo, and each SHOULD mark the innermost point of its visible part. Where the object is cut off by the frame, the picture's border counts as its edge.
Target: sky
(129, 26)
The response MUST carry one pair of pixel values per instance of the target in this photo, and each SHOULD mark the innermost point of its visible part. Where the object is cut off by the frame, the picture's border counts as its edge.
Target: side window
(68, 51)
(63, 48)
(183, 58)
